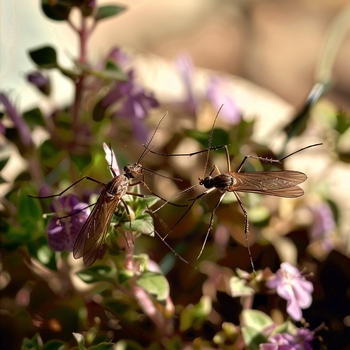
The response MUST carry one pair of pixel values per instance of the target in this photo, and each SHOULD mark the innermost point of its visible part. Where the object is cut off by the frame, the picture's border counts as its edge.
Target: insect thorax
(223, 182)
(117, 186)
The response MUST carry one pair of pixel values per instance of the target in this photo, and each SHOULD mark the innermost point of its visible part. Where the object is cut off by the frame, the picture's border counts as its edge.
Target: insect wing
(273, 183)
(111, 160)
(93, 233)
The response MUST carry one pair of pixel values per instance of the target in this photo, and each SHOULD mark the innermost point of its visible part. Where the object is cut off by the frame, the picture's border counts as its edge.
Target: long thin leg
(173, 250)
(188, 209)
(155, 194)
(246, 230)
(271, 160)
(76, 212)
(185, 154)
(210, 224)
(174, 196)
(73, 184)
(228, 159)
(262, 159)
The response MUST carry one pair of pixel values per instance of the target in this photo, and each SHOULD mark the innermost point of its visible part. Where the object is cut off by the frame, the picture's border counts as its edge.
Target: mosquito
(91, 237)
(279, 183)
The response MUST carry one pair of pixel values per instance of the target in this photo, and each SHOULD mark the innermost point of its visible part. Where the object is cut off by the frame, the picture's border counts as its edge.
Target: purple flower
(62, 233)
(185, 68)
(118, 56)
(269, 346)
(293, 287)
(133, 104)
(323, 225)
(300, 341)
(218, 96)
(40, 81)
(21, 125)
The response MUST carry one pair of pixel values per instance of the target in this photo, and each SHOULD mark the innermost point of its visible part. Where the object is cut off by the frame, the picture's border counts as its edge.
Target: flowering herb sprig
(140, 295)
(292, 286)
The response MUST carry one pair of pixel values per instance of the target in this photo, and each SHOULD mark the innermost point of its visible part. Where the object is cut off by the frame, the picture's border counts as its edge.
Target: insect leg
(155, 194)
(271, 160)
(73, 184)
(215, 168)
(211, 224)
(173, 250)
(194, 200)
(266, 160)
(246, 230)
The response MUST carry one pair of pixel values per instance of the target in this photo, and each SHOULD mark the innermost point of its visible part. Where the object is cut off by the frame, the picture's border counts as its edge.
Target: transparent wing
(273, 183)
(93, 233)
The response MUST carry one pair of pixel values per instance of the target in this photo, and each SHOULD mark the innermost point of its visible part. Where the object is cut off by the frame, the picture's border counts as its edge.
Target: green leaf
(28, 208)
(174, 343)
(3, 162)
(57, 10)
(98, 112)
(102, 346)
(108, 11)
(34, 117)
(220, 137)
(239, 288)
(97, 274)
(80, 340)
(142, 224)
(107, 74)
(44, 57)
(63, 120)
(49, 154)
(119, 307)
(54, 345)
(127, 345)
(259, 216)
(40, 250)
(195, 315)
(81, 161)
(154, 284)
(112, 66)
(45, 255)
(252, 338)
(256, 319)
(124, 275)
(32, 344)
(343, 122)
(151, 200)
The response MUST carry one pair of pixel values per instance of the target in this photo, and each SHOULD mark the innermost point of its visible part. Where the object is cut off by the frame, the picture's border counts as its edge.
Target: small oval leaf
(44, 57)
(58, 10)
(154, 284)
(98, 274)
(108, 11)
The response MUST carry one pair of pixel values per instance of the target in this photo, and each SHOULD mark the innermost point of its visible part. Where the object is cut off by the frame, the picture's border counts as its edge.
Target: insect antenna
(146, 150)
(210, 141)
(70, 186)
(299, 150)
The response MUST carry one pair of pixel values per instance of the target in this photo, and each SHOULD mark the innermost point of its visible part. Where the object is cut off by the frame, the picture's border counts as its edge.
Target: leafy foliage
(139, 294)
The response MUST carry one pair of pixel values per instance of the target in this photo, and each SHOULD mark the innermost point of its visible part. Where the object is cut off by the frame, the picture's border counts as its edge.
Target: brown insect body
(92, 235)
(278, 183)
(281, 183)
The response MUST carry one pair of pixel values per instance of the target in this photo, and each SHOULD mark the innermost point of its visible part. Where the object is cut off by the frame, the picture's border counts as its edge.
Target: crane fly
(91, 237)
(279, 183)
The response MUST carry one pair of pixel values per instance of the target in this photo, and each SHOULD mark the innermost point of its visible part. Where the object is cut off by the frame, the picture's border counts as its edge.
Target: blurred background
(270, 54)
